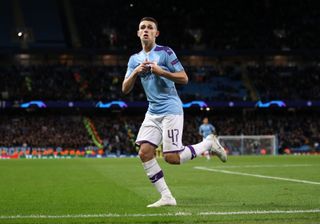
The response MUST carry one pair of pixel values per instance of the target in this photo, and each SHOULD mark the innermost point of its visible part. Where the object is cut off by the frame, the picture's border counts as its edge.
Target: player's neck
(148, 46)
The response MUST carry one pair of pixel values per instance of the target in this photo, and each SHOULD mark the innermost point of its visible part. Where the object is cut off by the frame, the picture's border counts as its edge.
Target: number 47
(173, 134)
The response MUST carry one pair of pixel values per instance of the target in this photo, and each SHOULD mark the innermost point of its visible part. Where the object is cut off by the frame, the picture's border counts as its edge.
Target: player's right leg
(155, 174)
(149, 137)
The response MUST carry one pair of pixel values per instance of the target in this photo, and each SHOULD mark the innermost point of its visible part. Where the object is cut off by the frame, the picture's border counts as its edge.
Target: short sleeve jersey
(161, 92)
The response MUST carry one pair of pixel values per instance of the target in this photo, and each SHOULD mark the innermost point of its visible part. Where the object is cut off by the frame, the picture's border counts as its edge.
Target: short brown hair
(151, 19)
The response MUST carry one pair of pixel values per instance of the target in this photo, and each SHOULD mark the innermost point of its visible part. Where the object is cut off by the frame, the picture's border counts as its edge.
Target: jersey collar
(152, 49)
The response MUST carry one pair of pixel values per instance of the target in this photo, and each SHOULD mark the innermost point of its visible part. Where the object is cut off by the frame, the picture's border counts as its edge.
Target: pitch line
(114, 215)
(257, 175)
(267, 166)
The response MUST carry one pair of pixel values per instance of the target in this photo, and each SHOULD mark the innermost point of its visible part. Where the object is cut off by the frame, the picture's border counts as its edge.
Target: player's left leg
(173, 150)
(207, 155)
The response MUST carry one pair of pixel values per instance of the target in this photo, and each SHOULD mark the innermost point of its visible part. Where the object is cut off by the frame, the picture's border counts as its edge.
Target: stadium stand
(85, 82)
(239, 26)
(117, 132)
(70, 55)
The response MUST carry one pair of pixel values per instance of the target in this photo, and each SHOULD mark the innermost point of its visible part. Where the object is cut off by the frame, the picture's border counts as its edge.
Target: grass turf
(120, 186)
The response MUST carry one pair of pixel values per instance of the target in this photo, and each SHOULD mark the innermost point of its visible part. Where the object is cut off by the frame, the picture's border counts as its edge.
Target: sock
(192, 151)
(155, 175)
(207, 154)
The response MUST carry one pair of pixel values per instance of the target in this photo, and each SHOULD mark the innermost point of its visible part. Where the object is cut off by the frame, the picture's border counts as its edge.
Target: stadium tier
(218, 25)
(208, 83)
(159, 111)
(72, 63)
(115, 134)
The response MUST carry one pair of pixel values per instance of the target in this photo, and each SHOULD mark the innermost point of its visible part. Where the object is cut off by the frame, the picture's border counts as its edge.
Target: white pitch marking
(257, 175)
(114, 215)
(267, 166)
(261, 212)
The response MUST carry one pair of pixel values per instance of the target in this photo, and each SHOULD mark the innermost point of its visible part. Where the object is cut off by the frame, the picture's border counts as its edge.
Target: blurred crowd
(202, 24)
(294, 131)
(59, 82)
(43, 131)
(210, 83)
(286, 82)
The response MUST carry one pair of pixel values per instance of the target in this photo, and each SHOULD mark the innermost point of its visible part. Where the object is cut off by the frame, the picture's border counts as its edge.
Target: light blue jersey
(206, 129)
(161, 92)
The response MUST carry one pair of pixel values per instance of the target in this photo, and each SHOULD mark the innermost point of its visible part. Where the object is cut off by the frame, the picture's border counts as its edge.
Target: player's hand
(144, 67)
(155, 68)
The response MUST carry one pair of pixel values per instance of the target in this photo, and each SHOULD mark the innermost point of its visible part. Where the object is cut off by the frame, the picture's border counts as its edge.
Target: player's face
(205, 120)
(147, 31)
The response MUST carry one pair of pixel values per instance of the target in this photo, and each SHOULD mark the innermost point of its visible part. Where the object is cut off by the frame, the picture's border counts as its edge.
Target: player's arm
(132, 74)
(128, 83)
(175, 71)
(177, 77)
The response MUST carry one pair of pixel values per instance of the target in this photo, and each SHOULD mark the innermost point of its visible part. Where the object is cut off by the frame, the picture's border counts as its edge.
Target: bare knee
(146, 152)
(172, 158)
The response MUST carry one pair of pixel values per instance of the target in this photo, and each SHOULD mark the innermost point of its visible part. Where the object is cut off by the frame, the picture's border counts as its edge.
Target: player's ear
(138, 33)
(158, 33)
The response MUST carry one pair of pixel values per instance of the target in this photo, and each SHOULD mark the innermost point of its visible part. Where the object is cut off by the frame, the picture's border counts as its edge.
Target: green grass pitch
(117, 191)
